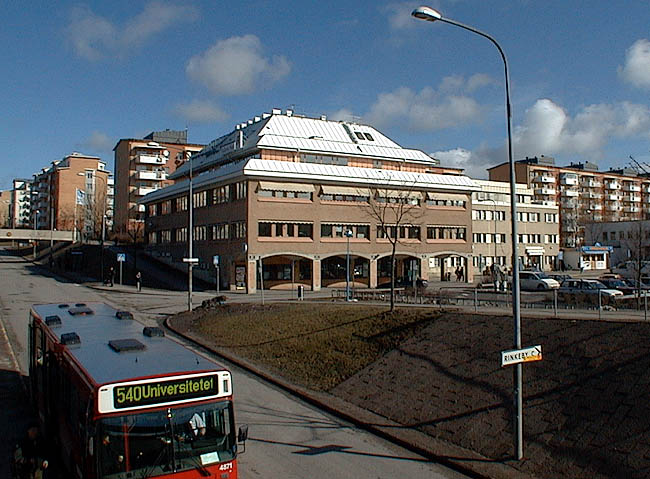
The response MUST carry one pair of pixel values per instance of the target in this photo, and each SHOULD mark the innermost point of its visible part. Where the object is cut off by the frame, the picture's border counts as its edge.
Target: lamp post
(431, 15)
(348, 234)
(35, 221)
(190, 223)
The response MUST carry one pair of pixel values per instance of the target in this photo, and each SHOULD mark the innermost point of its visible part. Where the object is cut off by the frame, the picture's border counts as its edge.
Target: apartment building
(141, 167)
(21, 205)
(583, 193)
(72, 195)
(538, 228)
(284, 200)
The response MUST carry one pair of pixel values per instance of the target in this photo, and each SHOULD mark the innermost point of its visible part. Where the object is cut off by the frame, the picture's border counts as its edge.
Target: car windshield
(151, 444)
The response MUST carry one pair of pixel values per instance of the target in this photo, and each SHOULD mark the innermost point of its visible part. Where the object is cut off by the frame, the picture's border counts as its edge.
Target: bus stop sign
(121, 257)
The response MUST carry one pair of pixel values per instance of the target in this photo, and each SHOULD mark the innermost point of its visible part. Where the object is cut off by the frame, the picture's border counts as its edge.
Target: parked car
(619, 284)
(629, 269)
(560, 277)
(589, 287)
(536, 281)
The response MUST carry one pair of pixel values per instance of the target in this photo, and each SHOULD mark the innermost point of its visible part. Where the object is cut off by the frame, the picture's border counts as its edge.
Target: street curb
(462, 460)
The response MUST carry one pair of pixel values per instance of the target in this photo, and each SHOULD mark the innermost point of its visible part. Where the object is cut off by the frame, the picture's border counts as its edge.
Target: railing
(487, 296)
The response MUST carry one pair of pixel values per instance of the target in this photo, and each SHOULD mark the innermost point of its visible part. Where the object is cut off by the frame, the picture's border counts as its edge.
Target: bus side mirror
(242, 435)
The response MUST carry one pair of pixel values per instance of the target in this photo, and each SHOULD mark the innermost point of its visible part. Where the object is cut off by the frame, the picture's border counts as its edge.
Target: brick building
(141, 167)
(583, 193)
(72, 195)
(5, 208)
(290, 196)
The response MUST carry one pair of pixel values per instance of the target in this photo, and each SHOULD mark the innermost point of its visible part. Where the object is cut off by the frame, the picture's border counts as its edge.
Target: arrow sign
(525, 355)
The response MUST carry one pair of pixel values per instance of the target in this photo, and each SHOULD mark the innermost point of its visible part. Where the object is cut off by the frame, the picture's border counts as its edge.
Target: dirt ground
(586, 404)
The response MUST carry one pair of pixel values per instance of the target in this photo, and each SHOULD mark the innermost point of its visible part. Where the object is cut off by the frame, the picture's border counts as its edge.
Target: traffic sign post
(516, 356)
(215, 262)
(121, 258)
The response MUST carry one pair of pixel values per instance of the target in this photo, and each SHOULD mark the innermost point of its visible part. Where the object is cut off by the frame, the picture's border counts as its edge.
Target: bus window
(153, 449)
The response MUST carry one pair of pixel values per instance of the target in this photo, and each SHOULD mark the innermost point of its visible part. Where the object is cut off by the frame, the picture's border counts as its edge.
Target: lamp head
(426, 13)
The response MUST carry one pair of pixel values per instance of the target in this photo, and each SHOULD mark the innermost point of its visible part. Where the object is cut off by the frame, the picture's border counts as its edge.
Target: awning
(412, 195)
(295, 187)
(345, 190)
(445, 196)
(535, 251)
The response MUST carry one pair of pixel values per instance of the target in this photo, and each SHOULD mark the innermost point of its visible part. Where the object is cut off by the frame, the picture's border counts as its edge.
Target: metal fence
(476, 298)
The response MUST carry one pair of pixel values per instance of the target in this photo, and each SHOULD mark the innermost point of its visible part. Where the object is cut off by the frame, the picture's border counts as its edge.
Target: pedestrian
(30, 455)
(111, 276)
(138, 280)
(459, 273)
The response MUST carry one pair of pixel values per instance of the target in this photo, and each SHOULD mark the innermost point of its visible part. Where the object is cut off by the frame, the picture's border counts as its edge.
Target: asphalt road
(287, 438)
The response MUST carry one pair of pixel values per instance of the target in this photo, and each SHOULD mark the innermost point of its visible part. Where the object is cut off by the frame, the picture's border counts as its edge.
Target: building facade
(5, 208)
(285, 200)
(72, 195)
(583, 193)
(141, 167)
(538, 228)
(21, 204)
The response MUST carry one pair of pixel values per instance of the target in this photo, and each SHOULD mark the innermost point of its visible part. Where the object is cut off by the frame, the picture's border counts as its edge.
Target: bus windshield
(155, 443)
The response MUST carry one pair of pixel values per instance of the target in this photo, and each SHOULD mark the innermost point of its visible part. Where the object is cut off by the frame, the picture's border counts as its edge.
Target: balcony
(631, 209)
(569, 179)
(595, 207)
(545, 191)
(632, 187)
(633, 199)
(591, 183)
(591, 195)
(612, 185)
(570, 193)
(150, 159)
(151, 175)
(569, 228)
(613, 197)
(613, 208)
(141, 191)
(597, 217)
(544, 179)
(646, 209)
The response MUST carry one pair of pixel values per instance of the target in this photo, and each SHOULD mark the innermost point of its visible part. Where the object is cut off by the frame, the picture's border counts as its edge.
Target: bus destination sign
(165, 391)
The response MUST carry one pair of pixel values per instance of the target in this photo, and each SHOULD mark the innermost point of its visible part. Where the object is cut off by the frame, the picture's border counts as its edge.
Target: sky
(80, 76)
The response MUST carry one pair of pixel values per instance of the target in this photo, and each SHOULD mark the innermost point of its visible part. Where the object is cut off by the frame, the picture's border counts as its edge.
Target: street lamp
(348, 234)
(431, 15)
(190, 236)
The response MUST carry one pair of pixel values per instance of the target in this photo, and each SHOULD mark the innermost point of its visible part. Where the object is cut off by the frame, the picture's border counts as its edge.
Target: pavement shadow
(15, 414)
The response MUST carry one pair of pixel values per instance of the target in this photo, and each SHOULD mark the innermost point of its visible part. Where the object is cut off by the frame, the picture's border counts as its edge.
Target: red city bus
(122, 401)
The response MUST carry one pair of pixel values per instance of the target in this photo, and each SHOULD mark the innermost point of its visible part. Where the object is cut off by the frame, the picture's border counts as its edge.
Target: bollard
(599, 304)
(475, 300)
(555, 301)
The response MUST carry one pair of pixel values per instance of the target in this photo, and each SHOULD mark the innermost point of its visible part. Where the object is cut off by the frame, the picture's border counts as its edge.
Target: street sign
(191, 260)
(121, 257)
(515, 356)
(215, 260)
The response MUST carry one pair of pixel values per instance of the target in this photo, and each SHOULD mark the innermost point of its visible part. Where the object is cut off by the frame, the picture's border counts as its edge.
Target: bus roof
(111, 349)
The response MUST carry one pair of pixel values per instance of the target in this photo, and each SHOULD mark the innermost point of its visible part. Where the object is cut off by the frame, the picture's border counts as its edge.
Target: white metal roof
(314, 135)
(317, 173)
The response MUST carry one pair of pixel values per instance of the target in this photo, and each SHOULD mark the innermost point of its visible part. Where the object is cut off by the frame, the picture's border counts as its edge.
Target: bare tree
(637, 246)
(396, 212)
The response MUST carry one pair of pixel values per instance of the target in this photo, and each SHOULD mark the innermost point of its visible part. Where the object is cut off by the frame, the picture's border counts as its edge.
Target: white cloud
(93, 37)
(201, 112)
(637, 64)
(98, 141)
(399, 15)
(237, 66)
(430, 109)
(343, 114)
(548, 129)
